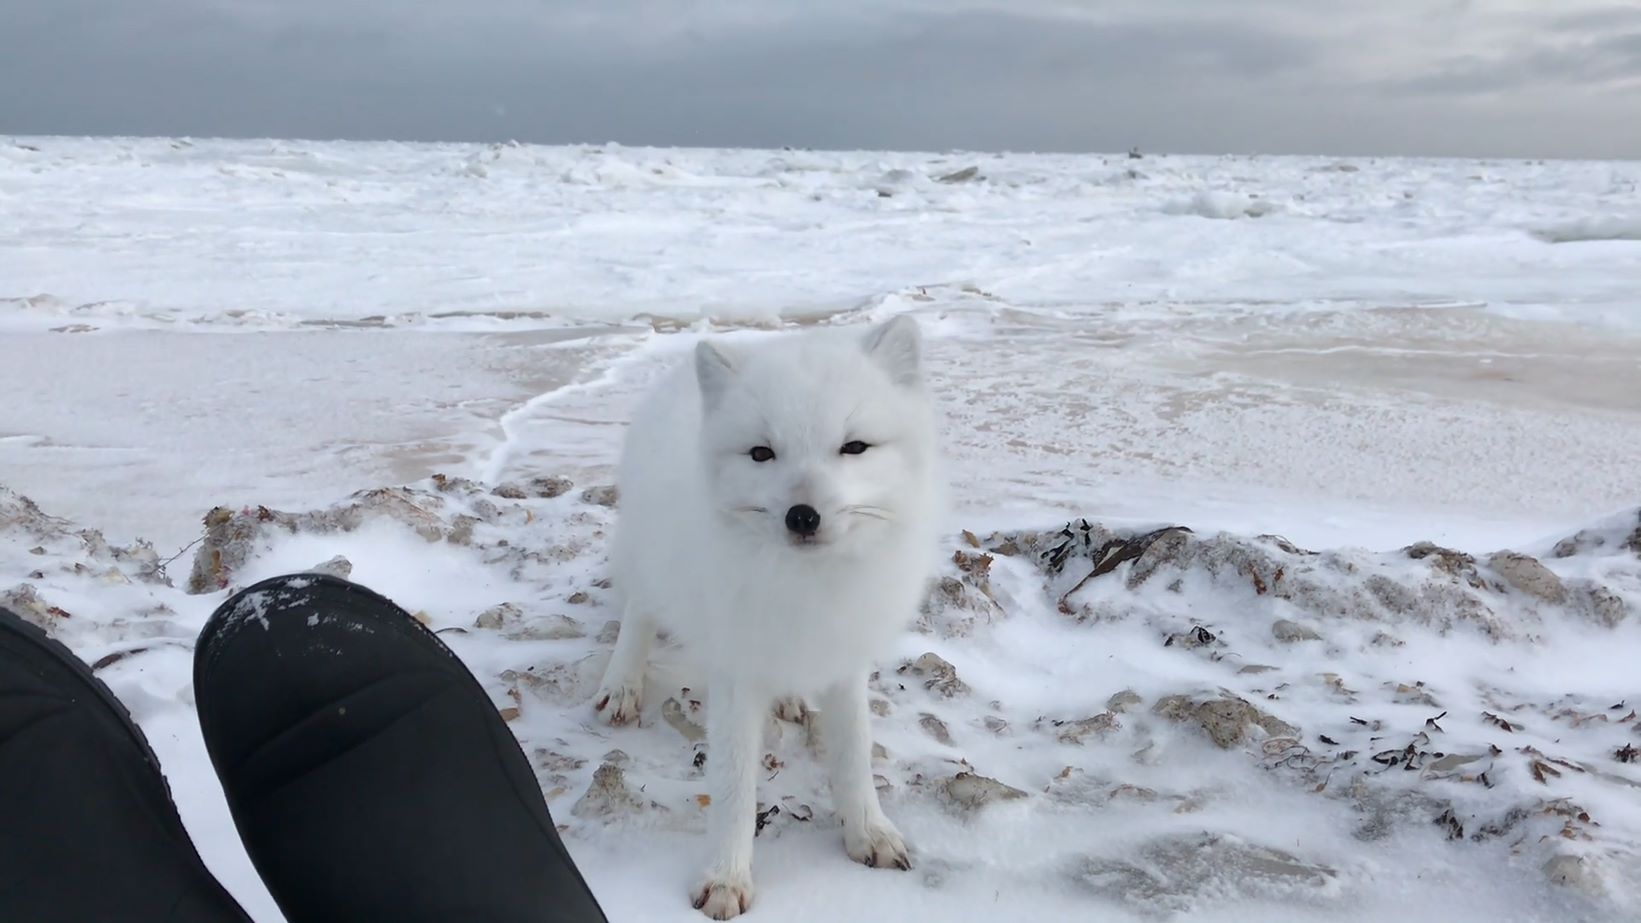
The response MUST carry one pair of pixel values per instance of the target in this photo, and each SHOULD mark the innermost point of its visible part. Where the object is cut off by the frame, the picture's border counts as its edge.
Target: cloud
(1597, 20)
(1589, 65)
(1196, 75)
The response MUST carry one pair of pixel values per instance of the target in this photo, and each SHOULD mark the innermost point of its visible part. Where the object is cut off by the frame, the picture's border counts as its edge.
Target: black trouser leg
(88, 831)
(367, 771)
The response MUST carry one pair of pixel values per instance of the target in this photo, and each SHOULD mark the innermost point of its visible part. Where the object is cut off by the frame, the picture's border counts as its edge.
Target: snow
(1610, 227)
(1223, 205)
(1355, 355)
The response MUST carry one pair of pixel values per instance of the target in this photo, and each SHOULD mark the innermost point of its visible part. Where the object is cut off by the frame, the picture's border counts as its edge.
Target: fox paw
(876, 845)
(793, 708)
(618, 705)
(724, 897)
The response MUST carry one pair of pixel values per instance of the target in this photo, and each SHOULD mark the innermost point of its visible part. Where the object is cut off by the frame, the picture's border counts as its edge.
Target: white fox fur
(703, 549)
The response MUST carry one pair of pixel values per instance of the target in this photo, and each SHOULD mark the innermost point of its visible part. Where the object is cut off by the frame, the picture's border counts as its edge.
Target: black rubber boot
(367, 771)
(88, 831)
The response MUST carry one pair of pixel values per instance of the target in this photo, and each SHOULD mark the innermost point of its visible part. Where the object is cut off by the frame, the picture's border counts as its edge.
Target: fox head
(820, 440)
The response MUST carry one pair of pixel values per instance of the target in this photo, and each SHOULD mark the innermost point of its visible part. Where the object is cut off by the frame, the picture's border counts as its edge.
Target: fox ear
(897, 345)
(713, 372)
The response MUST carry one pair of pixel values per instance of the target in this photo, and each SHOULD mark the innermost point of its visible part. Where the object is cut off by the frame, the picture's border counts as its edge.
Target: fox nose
(803, 519)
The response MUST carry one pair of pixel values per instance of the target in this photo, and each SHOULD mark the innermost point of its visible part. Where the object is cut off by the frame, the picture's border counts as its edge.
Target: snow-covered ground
(1356, 354)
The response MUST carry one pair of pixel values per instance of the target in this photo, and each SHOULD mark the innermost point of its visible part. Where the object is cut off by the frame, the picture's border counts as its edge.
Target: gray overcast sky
(1530, 78)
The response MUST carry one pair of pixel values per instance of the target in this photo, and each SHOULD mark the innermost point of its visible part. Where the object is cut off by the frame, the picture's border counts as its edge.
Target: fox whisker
(871, 512)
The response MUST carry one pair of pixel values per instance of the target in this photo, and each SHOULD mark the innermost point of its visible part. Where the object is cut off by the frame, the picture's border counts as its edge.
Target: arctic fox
(779, 518)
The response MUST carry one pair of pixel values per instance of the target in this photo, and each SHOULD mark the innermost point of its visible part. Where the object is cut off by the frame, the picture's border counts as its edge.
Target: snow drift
(1149, 723)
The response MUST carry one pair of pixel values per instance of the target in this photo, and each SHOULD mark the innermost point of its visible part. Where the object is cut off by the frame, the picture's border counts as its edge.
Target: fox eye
(854, 447)
(762, 453)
